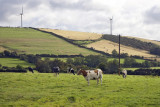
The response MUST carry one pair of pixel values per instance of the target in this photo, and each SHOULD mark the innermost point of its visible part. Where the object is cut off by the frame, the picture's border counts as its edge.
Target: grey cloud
(84, 5)
(152, 16)
(7, 8)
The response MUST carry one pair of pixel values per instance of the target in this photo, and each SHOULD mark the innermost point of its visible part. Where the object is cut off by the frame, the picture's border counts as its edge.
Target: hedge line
(72, 41)
(144, 72)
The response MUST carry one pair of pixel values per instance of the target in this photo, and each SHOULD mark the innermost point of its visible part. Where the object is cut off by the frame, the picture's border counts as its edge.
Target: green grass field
(66, 90)
(29, 41)
(122, 60)
(13, 62)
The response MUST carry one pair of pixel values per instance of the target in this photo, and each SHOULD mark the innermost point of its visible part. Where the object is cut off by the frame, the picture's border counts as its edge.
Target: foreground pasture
(26, 89)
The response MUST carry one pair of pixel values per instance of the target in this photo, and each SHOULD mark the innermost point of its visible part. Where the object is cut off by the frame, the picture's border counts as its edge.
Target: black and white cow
(71, 70)
(30, 69)
(124, 73)
(56, 70)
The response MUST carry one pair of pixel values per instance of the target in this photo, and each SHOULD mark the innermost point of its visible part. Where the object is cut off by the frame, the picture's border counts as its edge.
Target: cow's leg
(88, 81)
(97, 81)
(123, 76)
(101, 80)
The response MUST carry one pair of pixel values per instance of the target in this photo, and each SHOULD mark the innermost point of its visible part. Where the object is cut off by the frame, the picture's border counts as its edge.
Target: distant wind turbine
(21, 14)
(111, 21)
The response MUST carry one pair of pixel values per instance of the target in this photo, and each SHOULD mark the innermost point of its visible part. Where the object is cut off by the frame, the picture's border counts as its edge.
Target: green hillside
(30, 41)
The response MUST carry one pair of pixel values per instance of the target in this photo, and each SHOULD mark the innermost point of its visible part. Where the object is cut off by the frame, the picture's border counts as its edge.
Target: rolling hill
(107, 43)
(30, 41)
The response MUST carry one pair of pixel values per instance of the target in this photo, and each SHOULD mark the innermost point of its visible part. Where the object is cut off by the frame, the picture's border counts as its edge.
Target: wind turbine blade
(22, 10)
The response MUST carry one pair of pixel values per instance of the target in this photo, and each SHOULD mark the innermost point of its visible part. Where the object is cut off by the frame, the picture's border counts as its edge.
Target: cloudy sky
(139, 18)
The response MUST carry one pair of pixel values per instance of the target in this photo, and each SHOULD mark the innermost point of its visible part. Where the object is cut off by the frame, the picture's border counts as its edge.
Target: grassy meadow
(67, 90)
(13, 62)
(29, 41)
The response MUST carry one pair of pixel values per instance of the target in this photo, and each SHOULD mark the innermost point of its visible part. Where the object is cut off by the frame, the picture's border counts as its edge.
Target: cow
(124, 73)
(56, 70)
(30, 69)
(92, 75)
(71, 70)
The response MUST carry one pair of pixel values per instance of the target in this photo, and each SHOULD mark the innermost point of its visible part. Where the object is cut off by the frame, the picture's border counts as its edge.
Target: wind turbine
(21, 14)
(111, 20)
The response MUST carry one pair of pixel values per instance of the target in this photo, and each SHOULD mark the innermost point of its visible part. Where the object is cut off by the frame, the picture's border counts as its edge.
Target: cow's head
(83, 72)
(79, 72)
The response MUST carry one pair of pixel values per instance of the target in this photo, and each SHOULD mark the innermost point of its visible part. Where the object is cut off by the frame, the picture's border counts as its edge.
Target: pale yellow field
(74, 35)
(2, 49)
(108, 47)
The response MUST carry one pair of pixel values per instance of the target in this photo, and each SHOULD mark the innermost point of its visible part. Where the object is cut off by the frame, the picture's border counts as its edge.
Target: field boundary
(71, 42)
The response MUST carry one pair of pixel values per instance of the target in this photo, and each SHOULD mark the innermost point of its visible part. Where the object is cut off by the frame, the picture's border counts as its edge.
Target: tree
(114, 53)
(43, 66)
(19, 67)
(113, 66)
(147, 64)
(129, 62)
(78, 61)
(69, 61)
(124, 55)
(7, 53)
(103, 67)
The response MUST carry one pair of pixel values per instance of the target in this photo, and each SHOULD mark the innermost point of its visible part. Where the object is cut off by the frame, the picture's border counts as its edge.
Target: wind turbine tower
(21, 14)
(111, 21)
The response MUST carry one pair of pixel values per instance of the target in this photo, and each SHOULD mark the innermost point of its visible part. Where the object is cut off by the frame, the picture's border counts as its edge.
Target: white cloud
(130, 17)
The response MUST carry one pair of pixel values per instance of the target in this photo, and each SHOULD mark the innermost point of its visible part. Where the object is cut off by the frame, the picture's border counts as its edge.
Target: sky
(137, 18)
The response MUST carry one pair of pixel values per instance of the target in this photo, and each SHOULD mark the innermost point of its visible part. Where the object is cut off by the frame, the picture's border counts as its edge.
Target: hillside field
(67, 90)
(29, 41)
(74, 35)
(108, 46)
(13, 62)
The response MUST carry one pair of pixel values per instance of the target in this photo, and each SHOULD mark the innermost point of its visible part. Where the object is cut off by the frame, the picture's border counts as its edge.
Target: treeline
(7, 53)
(154, 72)
(155, 50)
(13, 54)
(79, 62)
(132, 63)
(87, 62)
(135, 43)
(18, 69)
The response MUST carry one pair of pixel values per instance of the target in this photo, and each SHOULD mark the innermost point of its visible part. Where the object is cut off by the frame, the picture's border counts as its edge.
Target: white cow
(124, 73)
(92, 75)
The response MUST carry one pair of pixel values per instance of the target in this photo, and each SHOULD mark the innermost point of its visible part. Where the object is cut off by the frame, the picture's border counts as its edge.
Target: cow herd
(96, 74)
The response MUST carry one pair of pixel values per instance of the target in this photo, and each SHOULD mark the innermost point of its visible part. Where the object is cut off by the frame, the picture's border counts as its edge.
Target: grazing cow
(124, 73)
(92, 75)
(56, 70)
(30, 69)
(71, 70)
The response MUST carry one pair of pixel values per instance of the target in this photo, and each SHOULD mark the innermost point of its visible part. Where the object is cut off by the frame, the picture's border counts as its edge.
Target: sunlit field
(108, 46)
(47, 90)
(75, 35)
